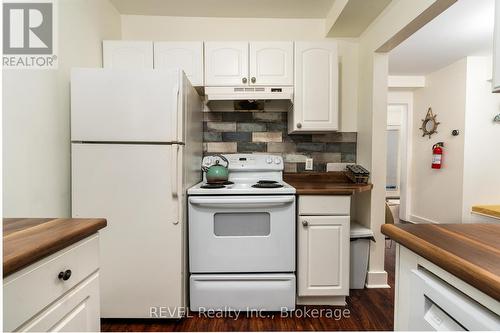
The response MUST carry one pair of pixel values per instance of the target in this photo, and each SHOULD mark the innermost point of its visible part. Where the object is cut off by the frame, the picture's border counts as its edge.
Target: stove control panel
(244, 162)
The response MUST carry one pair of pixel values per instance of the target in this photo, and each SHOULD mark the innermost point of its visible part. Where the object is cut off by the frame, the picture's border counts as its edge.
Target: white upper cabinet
(316, 88)
(120, 54)
(226, 63)
(187, 56)
(271, 63)
(496, 50)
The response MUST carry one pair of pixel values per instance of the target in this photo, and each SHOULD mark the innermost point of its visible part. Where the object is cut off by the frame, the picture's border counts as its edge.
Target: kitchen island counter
(27, 240)
(471, 252)
(324, 183)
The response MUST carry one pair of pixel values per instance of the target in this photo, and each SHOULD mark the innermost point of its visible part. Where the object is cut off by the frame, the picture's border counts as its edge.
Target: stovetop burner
(227, 182)
(212, 186)
(267, 185)
(267, 182)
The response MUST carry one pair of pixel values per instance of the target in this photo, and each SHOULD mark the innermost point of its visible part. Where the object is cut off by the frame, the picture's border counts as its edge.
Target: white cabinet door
(120, 54)
(496, 50)
(316, 87)
(226, 63)
(323, 255)
(187, 56)
(76, 311)
(271, 63)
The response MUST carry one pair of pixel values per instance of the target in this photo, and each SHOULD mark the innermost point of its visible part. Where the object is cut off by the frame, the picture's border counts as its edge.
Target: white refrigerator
(136, 146)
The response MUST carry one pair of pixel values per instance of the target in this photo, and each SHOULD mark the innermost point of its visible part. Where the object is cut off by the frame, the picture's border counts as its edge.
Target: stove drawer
(234, 234)
(245, 292)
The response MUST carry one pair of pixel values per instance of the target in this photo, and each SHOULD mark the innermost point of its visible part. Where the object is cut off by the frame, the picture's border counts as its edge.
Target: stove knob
(269, 160)
(277, 160)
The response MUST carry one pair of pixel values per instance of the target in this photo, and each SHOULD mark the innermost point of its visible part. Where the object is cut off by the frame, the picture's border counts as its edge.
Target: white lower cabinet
(36, 299)
(323, 252)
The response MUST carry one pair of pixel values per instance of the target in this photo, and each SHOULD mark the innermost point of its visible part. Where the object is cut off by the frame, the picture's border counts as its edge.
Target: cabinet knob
(244, 80)
(299, 125)
(253, 79)
(64, 275)
(305, 223)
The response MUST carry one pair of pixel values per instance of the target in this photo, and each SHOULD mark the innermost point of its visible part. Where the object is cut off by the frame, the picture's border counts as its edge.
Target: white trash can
(360, 251)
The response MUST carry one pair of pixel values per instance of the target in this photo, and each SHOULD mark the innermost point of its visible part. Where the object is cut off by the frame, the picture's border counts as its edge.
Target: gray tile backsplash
(261, 132)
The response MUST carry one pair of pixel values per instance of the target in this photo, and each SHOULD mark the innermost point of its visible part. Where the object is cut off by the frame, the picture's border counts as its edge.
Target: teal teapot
(217, 173)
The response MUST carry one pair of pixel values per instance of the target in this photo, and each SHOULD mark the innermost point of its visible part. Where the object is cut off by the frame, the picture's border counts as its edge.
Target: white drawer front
(76, 311)
(266, 292)
(324, 205)
(31, 289)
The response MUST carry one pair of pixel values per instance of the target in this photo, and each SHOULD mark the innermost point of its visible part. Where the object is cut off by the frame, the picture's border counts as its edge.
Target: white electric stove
(242, 237)
(250, 174)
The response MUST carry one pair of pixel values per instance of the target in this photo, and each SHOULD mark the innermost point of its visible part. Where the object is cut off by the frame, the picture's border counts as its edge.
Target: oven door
(241, 234)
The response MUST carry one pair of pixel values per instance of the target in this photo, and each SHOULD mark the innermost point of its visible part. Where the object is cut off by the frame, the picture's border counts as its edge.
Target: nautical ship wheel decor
(429, 124)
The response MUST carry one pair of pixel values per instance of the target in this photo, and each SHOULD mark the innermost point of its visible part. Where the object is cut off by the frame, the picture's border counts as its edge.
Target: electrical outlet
(309, 163)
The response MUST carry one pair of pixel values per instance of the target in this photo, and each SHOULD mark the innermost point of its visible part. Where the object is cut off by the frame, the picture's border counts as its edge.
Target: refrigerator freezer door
(125, 105)
(137, 189)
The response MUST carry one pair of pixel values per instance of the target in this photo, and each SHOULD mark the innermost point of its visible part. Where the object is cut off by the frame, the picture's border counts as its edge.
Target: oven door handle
(241, 202)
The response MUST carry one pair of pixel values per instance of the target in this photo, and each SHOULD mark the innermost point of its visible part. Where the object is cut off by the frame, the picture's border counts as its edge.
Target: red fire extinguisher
(437, 155)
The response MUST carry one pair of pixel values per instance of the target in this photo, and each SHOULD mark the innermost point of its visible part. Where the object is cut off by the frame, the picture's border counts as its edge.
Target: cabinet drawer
(31, 289)
(324, 205)
(264, 292)
(76, 311)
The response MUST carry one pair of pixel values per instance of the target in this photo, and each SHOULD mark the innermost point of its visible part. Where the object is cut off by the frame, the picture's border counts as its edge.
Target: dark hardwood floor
(369, 309)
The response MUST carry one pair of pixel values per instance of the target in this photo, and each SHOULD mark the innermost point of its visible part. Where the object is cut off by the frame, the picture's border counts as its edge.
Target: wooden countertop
(28, 240)
(324, 183)
(487, 210)
(471, 252)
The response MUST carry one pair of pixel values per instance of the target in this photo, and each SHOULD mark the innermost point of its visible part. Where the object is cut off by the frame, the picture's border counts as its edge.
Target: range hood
(248, 93)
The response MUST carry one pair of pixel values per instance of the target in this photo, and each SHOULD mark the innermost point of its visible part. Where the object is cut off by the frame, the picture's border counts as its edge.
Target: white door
(271, 63)
(136, 188)
(323, 255)
(187, 56)
(226, 63)
(125, 105)
(316, 87)
(496, 50)
(121, 54)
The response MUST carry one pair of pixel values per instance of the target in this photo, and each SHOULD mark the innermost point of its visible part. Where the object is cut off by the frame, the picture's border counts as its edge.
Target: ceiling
(464, 29)
(226, 8)
(356, 17)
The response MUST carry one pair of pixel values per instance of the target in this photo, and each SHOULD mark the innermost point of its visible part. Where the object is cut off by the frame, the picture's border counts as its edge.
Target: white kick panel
(136, 188)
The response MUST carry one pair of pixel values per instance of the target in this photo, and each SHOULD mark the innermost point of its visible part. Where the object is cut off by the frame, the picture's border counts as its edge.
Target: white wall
(481, 185)
(437, 194)
(372, 121)
(167, 28)
(36, 141)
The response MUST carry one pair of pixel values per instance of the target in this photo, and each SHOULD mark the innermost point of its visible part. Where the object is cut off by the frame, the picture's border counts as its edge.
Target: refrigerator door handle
(175, 183)
(175, 111)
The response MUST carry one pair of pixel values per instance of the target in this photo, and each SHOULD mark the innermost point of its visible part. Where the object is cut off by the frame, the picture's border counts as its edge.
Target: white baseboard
(376, 279)
(421, 220)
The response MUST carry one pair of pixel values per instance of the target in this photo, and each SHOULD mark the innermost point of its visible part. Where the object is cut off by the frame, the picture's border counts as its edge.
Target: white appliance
(136, 148)
(242, 237)
(438, 306)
